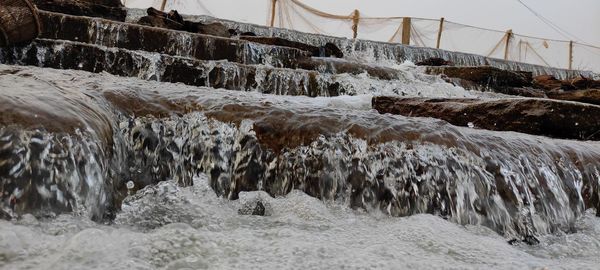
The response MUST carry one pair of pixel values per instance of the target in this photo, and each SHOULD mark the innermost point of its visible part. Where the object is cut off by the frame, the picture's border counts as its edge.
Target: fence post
(162, 5)
(355, 21)
(406, 25)
(509, 35)
(571, 54)
(273, 7)
(439, 36)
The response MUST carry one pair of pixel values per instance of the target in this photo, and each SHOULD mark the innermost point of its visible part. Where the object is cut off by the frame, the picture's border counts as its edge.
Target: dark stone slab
(557, 119)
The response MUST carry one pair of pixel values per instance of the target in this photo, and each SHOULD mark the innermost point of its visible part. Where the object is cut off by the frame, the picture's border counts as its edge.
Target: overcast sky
(580, 18)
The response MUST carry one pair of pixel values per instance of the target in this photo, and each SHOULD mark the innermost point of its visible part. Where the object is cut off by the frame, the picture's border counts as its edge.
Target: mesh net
(293, 14)
(18, 21)
(586, 57)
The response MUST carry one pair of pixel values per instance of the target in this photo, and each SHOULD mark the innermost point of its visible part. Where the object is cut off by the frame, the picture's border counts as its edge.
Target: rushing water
(170, 227)
(156, 164)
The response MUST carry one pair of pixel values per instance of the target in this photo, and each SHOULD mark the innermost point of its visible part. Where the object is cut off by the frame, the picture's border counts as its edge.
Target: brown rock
(590, 96)
(545, 117)
(213, 29)
(523, 92)
(546, 82)
(580, 83)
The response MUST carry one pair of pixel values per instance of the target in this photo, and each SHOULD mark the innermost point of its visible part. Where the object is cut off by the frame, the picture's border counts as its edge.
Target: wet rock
(580, 83)
(108, 9)
(546, 82)
(160, 22)
(434, 62)
(590, 96)
(213, 29)
(550, 118)
(331, 50)
(254, 208)
(523, 92)
(157, 18)
(485, 76)
(527, 239)
(172, 20)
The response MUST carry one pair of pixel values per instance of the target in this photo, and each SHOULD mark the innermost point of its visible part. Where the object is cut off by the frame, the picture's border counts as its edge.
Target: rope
(497, 45)
(320, 13)
(536, 53)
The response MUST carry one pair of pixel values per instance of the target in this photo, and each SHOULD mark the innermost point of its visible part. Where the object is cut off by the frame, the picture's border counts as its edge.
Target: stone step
(108, 33)
(62, 54)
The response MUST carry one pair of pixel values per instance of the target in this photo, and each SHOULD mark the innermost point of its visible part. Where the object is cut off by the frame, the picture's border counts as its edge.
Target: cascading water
(111, 137)
(170, 173)
(366, 50)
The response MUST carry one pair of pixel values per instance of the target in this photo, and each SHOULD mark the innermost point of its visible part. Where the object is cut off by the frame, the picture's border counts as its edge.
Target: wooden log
(406, 26)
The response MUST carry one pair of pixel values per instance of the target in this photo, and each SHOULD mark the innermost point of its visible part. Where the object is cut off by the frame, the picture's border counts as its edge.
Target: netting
(433, 33)
(18, 21)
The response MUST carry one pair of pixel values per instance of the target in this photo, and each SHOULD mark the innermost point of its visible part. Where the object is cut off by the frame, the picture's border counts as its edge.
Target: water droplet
(471, 125)
(130, 185)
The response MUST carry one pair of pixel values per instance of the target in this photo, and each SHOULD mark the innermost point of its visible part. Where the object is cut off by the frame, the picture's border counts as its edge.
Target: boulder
(557, 119)
(108, 9)
(157, 18)
(255, 208)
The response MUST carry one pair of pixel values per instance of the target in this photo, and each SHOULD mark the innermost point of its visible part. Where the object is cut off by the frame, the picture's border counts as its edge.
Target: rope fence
(419, 32)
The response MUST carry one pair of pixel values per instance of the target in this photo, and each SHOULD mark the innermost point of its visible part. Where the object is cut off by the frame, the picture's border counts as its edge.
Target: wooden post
(509, 34)
(406, 21)
(273, 7)
(439, 36)
(162, 5)
(571, 54)
(355, 21)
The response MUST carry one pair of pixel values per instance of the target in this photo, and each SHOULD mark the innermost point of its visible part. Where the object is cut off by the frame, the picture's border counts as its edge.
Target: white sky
(579, 17)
